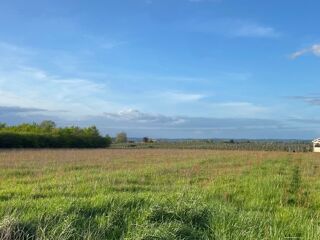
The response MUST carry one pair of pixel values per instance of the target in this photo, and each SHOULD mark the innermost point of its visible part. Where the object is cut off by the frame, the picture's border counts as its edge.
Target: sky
(163, 68)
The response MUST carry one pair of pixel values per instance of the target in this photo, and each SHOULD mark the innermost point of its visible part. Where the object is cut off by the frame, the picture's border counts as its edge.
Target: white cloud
(133, 117)
(234, 28)
(8, 98)
(137, 123)
(310, 99)
(314, 49)
(140, 124)
(23, 85)
(31, 87)
(140, 117)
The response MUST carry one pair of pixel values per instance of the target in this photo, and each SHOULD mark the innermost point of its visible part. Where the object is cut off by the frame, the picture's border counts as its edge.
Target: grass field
(159, 194)
(244, 145)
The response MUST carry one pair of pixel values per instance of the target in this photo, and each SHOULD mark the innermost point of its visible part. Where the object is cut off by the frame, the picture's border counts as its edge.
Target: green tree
(47, 125)
(121, 137)
(92, 131)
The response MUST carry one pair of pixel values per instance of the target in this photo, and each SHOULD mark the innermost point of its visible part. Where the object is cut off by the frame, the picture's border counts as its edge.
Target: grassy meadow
(159, 194)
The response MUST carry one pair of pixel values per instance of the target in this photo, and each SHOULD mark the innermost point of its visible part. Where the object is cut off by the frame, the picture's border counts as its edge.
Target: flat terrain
(159, 194)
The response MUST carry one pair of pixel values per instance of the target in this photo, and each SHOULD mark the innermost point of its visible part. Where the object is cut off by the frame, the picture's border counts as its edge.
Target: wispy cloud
(139, 124)
(311, 121)
(17, 110)
(254, 30)
(130, 116)
(22, 84)
(182, 96)
(26, 87)
(140, 117)
(314, 49)
(12, 55)
(311, 100)
(234, 28)
(103, 42)
(112, 44)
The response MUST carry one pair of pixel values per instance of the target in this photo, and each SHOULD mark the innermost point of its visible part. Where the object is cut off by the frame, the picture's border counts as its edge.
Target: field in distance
(242, 144)
(158, 194)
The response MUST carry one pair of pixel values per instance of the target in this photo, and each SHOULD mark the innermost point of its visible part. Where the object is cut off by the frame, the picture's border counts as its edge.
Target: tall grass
(158, 194)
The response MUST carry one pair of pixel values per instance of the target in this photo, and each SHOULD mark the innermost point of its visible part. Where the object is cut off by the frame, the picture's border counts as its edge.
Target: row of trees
(122, 138)
(48, 135)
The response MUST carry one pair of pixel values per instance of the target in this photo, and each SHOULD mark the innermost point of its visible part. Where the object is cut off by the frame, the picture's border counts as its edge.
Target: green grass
(159, 194)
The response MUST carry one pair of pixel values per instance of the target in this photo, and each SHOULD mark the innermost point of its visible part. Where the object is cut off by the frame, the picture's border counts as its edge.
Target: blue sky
(163, 68)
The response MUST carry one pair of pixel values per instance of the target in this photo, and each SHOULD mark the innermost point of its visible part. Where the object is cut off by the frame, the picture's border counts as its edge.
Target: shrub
(121, 137)
(46, 135)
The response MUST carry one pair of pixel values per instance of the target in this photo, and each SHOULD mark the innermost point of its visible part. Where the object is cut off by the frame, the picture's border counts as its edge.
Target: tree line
(47, 135)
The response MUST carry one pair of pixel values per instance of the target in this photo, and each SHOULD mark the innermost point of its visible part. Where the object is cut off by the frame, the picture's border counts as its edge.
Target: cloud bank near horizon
(140, 124)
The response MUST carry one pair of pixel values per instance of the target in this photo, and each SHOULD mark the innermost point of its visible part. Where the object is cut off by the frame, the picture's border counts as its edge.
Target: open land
(159, 194)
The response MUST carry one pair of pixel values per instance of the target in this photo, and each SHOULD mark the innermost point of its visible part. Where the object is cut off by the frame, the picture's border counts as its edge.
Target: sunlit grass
(158, 194)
